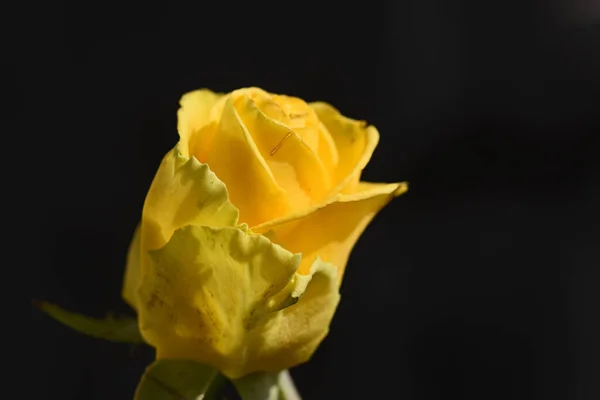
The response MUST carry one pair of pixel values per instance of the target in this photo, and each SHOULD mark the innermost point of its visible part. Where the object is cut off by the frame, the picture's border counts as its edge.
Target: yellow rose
(247, 228)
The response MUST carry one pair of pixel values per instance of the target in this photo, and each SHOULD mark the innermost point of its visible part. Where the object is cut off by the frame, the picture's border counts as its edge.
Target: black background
(480, 283)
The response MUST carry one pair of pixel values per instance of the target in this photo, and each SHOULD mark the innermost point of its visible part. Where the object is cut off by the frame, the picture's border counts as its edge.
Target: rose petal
(199, 110)
(225, 297)
(328, 152)
(236, 160)
(182, 192)
(355, 143)
(133, 269)
(301, 327)
(295, 166)
(331, 229)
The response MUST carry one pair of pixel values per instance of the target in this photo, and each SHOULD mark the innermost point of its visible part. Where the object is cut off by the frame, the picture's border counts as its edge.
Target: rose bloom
(247, 228)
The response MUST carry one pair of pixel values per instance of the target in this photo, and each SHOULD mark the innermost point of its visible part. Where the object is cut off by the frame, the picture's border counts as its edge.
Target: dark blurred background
(480, 283)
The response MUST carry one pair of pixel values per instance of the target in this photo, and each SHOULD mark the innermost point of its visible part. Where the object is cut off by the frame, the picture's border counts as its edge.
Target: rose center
(293, 113)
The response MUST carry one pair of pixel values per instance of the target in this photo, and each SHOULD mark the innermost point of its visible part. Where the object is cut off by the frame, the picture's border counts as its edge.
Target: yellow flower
(247, 228)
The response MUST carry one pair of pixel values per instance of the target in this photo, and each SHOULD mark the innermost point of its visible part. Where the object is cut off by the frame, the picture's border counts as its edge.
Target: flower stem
(287, 387)
(215, 387)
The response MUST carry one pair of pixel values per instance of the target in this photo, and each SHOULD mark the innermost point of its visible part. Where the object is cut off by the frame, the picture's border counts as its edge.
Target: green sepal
(267, 386)
(178, 380)
(114, 329)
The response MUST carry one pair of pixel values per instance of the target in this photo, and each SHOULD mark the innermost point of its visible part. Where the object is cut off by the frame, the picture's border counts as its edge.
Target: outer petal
(330, 230)
(328, 152)
(355, 143)
(291, 336)
(133, 269)
(216, 295)
(183, 192)
(196, 119)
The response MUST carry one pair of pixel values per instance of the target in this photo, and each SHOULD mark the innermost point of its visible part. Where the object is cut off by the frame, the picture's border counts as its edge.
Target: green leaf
(122, 329)
(177, 380)
(267, 386)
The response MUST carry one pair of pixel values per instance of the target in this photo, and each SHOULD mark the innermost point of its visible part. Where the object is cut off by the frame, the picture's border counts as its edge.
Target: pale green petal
(300, 328)
(229, 298)
(133, 270)
(207, 288)
(183, 192)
